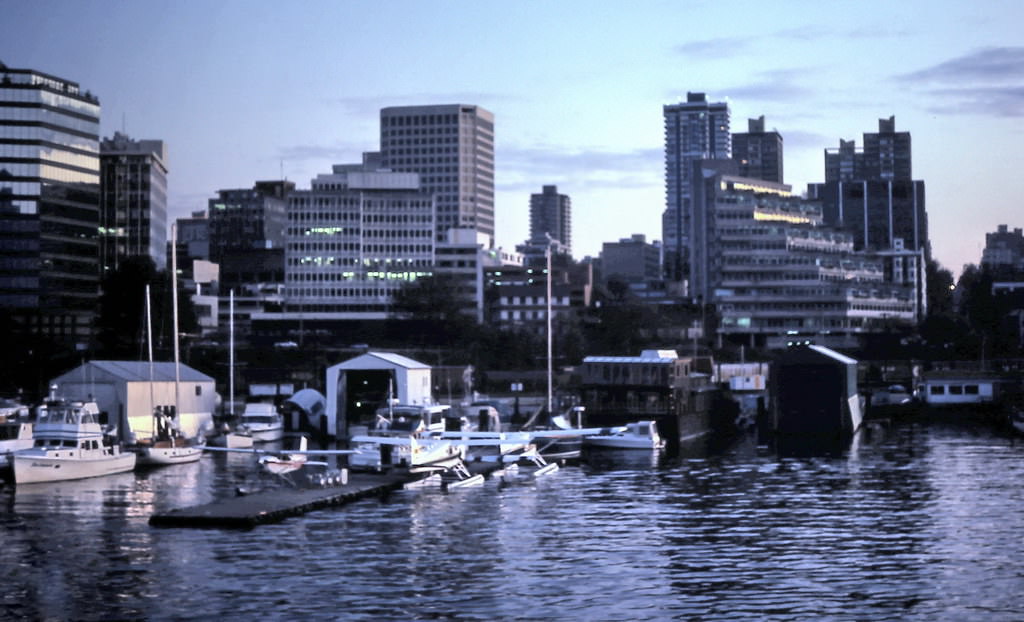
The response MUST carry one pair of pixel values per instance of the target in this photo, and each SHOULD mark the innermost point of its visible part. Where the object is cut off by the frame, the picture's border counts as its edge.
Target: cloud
(369, 106)
(331, 154)
(988, 81)
(987, 65)
(713, 48)
(995, 101)
(527, 168)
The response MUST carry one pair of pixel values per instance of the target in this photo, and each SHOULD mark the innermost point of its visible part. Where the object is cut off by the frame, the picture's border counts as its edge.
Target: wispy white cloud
(527, 168)
(987, 81)
(989, 65)
(721, 47)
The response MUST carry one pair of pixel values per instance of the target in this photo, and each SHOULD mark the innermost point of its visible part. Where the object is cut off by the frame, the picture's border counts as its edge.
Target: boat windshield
(74, 415)
(259, 419)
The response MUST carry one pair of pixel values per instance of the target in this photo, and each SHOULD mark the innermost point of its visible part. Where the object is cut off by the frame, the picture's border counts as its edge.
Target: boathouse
(814, 393)
(358, 386)
(122, 390)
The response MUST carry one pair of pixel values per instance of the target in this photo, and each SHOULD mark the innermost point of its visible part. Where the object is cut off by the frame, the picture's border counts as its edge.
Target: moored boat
(69, 443)
(263, 421)
(15, 430)
(636, 435)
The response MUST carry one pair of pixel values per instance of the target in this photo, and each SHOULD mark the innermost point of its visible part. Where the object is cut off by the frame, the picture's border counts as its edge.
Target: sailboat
(167, 445)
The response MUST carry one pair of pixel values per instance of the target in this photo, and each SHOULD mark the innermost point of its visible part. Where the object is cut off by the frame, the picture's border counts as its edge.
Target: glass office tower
(49, 203)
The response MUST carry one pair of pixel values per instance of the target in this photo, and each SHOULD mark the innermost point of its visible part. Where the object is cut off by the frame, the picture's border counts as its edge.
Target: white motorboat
(69, 444)
(263, 422)
(15, 430)
(636, 435)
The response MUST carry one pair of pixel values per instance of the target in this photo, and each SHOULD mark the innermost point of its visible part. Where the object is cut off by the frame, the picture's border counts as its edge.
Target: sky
(252, 90)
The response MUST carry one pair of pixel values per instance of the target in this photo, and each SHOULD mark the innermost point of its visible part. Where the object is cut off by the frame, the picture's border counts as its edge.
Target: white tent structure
(122, 390)
(411, 380)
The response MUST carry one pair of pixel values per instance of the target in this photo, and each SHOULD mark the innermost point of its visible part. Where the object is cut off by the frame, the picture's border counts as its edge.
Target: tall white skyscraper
(452, 148)
(694, 130)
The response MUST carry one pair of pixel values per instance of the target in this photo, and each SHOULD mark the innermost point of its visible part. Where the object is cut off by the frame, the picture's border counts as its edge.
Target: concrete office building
(133, 201)
(777, 275)
(551, 214)
(872, 192)
(694, 130)
(49, 204)
(248, 219)
(637, 263)
(354, 238)
(758, 153)
(451, 147)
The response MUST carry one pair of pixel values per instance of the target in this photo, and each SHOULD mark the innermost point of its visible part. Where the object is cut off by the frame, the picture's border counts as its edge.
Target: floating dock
(277, 504)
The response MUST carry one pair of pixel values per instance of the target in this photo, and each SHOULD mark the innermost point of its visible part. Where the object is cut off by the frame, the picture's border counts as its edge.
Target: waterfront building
(758, 153)
(872, 192)
(694, 130)
(658, 385)
(778, 275)
(451, 147)
(49, 204)
(551, 214)
(133, 201)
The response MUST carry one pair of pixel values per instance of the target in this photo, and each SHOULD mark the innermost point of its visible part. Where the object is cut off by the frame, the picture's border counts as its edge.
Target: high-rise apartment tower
(551, 213)
(694, 130)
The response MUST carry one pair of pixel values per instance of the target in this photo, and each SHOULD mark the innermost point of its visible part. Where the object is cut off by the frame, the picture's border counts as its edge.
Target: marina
(909, 522)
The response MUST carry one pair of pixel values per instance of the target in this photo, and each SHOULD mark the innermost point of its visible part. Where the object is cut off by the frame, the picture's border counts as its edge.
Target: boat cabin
(957, 388)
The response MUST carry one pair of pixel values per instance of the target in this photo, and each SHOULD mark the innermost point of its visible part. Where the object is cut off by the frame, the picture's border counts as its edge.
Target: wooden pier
(277, 504)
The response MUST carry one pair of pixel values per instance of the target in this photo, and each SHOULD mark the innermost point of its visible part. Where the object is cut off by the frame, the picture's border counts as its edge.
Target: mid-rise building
(777, 274)
(758, 153)
(248, 219)
(353, 239)
(1004, 250)
(133, 200)
(551, 214)
(694, 130)
(451, 147)
(636, 262)
(49, 203)
(872, 192)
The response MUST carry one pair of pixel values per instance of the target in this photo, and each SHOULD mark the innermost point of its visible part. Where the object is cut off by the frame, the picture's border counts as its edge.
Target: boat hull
(30, 468)
(158, 456)
(266, 435)
(620, 443)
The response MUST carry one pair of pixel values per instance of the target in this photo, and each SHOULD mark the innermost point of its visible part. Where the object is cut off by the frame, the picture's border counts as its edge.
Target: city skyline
(241, 92)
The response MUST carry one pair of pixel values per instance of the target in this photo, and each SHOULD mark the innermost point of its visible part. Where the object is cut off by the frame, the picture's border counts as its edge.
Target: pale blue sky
(243, 90)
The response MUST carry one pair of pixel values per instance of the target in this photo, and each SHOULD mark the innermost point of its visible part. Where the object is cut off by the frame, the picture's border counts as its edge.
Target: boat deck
(274, 505)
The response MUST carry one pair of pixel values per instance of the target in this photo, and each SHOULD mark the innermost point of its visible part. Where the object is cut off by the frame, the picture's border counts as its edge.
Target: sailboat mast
(149, 340)
(231, 353)
(548, 253)
(174, 303)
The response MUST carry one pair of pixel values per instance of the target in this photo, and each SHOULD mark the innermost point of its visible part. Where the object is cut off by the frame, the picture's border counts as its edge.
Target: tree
(434, 311)
(121, 322)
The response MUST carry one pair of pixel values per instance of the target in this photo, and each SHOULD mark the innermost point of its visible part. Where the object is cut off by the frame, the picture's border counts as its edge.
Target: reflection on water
(908, 522)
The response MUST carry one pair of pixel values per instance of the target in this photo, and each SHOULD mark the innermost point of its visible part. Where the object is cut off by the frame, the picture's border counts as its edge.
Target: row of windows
(56, 100)
(49, 135)
(49, 153)
(47, 171)
(25, 114)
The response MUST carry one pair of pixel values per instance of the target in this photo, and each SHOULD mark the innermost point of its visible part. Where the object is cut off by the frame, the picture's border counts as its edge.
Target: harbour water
(910, 522)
